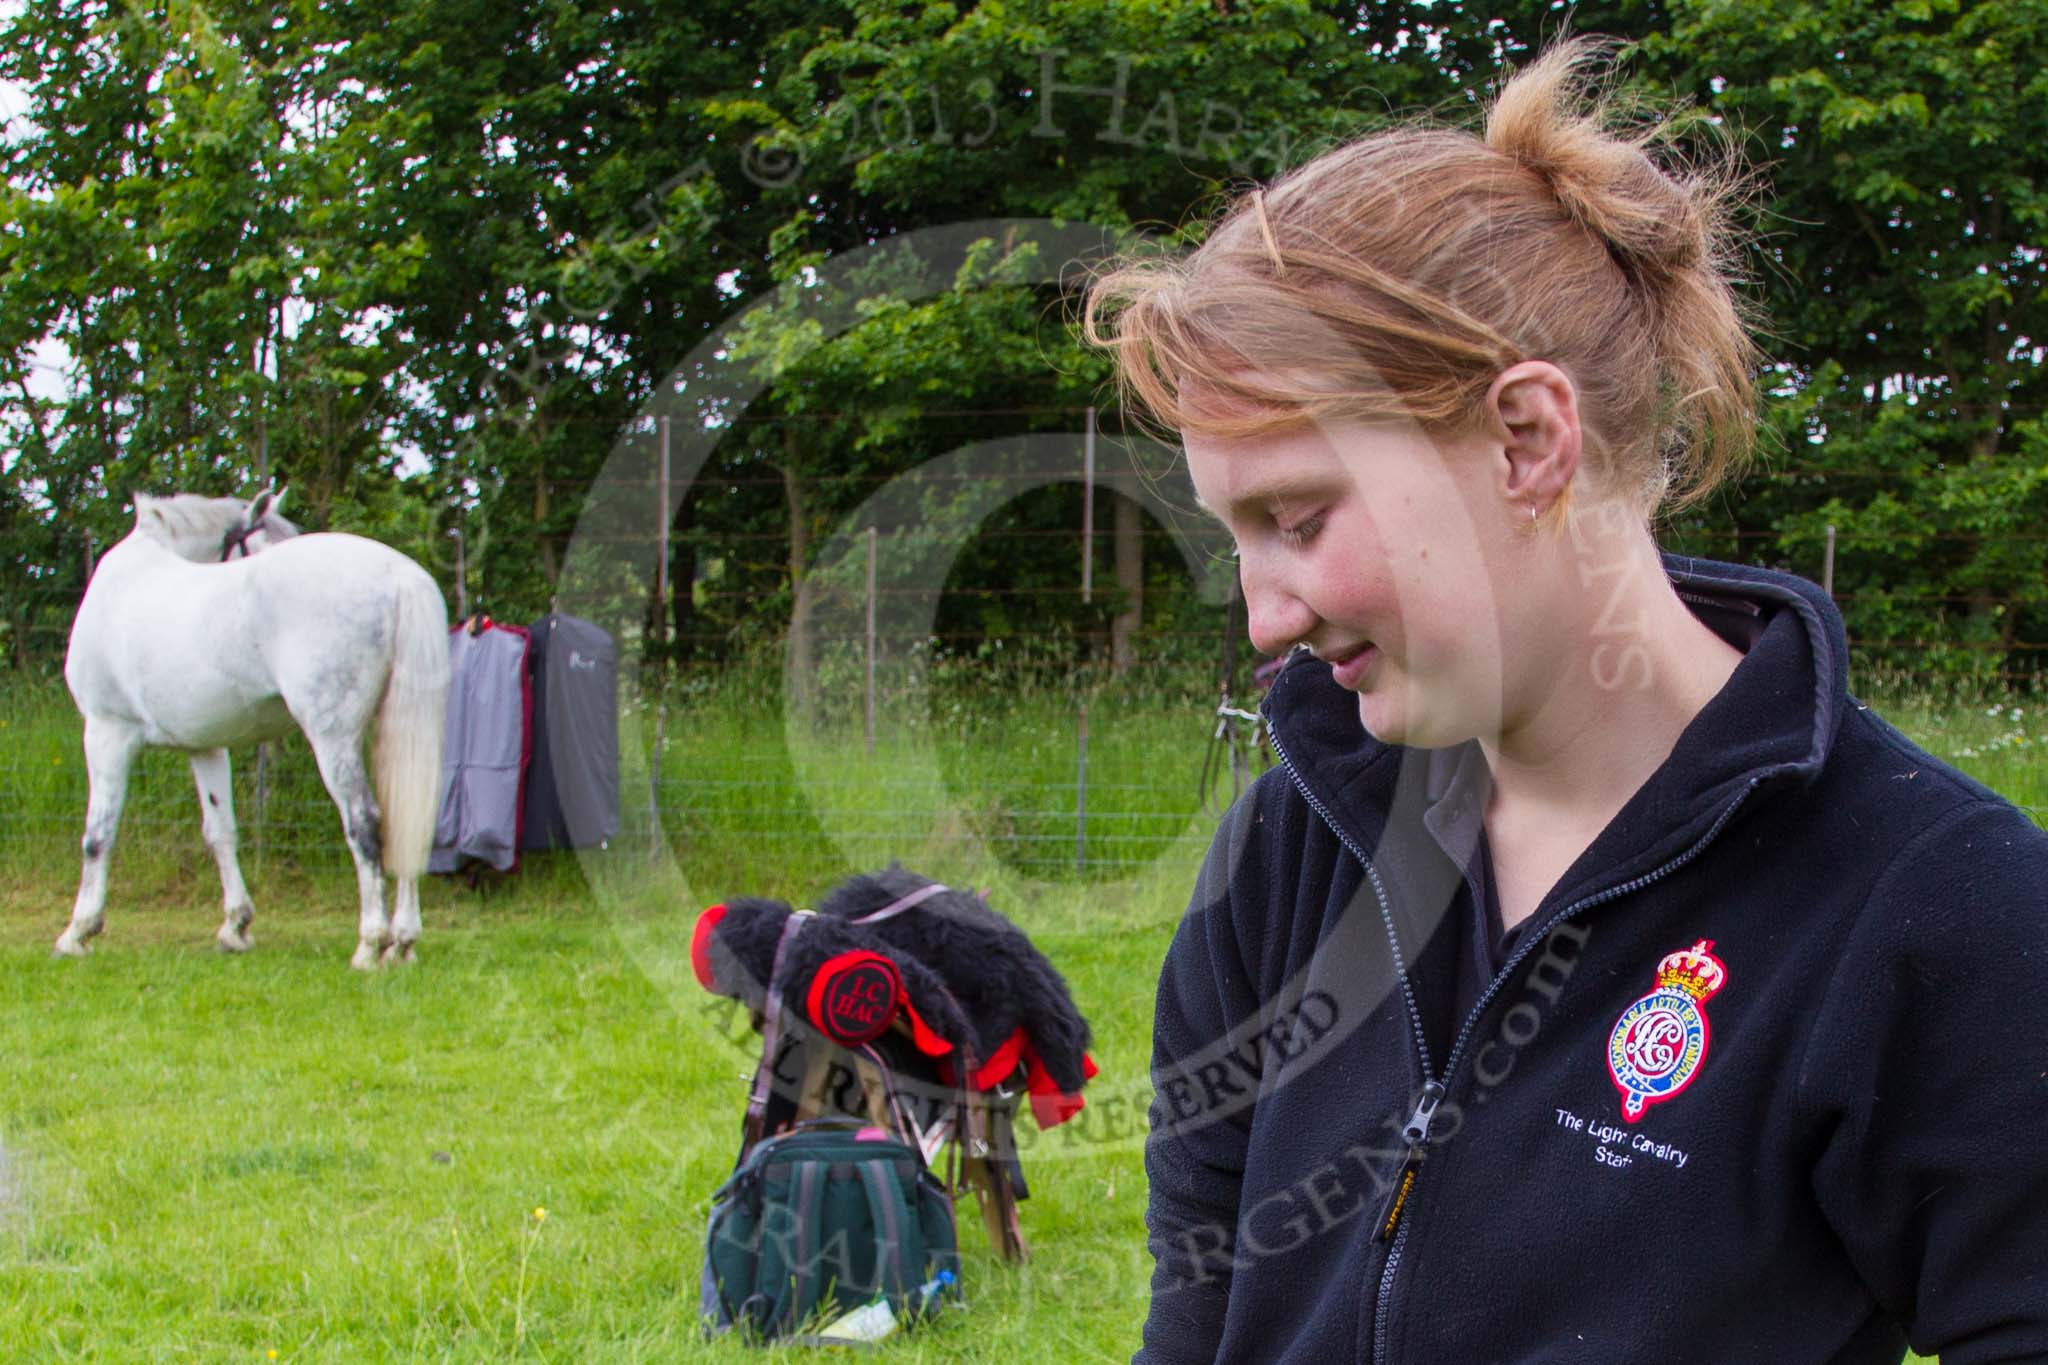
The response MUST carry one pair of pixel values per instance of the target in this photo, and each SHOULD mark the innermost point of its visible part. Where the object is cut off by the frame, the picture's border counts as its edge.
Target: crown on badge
(1695, 971)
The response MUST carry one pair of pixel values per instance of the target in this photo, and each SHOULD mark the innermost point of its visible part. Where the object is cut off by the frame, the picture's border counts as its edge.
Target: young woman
(1595, 979)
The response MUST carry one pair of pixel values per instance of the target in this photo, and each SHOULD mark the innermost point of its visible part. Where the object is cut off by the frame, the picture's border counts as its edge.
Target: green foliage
(1903, 279)
(434, 259)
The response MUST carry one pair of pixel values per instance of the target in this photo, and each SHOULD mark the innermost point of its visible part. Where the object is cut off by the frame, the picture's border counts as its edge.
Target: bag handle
(848, 1122)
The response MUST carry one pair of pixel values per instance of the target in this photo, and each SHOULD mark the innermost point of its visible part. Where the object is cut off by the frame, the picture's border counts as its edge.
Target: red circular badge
(854, 996)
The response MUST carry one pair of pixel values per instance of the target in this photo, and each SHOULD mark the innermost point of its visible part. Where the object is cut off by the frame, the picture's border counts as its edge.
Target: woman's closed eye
(1303, 531)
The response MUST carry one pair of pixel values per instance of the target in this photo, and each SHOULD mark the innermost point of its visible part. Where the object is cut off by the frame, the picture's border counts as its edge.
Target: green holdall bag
(822, 1219)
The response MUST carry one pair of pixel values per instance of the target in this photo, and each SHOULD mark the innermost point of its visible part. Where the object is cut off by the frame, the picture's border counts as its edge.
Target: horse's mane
(193, 525)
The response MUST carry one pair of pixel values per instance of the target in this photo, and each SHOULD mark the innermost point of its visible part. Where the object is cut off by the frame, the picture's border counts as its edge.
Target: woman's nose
(1275, 618)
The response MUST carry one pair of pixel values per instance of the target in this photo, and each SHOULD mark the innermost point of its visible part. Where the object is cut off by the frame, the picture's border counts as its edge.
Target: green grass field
(216, 1158)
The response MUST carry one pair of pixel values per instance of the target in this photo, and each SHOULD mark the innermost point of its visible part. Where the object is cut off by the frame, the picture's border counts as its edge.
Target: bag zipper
(1415, 1133)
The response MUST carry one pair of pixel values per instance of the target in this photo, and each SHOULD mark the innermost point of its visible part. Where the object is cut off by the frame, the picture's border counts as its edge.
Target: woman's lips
(1349, 669)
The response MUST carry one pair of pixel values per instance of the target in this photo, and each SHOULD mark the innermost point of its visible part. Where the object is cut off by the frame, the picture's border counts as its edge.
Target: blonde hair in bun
(1398, 274)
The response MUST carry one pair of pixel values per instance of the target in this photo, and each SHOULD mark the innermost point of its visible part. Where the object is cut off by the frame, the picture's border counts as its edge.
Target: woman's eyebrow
(1263, 496)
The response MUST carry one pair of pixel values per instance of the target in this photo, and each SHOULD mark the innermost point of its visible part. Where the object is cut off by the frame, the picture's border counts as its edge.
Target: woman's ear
(1533, 409)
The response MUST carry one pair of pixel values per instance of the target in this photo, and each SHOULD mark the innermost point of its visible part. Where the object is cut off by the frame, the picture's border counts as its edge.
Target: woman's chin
(1392, 720)
(1383, 722)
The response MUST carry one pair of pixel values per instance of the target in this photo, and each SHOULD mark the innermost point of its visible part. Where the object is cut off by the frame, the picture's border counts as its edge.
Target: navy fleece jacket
(1764, 1079)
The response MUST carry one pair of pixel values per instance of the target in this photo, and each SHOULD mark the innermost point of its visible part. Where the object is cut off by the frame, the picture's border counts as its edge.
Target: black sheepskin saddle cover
(962, 978)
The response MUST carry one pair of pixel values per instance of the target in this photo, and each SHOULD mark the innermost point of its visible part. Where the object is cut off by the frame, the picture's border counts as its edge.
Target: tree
(1904, 278)
(1119, 116)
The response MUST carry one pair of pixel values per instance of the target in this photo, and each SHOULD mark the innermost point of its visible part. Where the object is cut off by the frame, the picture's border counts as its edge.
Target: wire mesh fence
(721, 785)
(1115, 756)
(1052, 789)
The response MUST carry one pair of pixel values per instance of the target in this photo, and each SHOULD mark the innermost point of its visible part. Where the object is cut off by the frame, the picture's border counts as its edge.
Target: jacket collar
(1771, 725)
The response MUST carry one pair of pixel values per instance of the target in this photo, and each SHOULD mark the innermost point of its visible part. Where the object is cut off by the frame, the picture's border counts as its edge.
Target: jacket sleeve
(1929, 1065)
(1194, 1160)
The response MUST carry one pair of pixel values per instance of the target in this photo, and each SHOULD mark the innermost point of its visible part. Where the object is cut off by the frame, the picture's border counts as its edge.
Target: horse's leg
(348, 782)
(405, 919)
(110, 749)
(211, 773)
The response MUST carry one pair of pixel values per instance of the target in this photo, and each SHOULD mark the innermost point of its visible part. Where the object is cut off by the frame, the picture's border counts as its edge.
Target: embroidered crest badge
(1659, 1042)
(854, 996)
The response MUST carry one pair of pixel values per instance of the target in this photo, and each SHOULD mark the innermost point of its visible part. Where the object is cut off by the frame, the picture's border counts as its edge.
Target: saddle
(912, 1004)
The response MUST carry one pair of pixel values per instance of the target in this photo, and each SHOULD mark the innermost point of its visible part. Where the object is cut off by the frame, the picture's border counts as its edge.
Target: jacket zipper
(1415, 1133)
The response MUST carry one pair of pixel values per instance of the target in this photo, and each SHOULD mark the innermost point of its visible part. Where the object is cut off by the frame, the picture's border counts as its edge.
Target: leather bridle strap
(771, 1034)
(237, 538)
(902, 903)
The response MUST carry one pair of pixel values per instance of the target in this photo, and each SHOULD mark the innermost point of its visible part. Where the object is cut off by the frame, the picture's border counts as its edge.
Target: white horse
(215, 623)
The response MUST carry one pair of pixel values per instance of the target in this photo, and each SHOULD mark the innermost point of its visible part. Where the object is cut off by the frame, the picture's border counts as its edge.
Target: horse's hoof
(234, 943)
(398, 955)
(69, 947)
(365, 959)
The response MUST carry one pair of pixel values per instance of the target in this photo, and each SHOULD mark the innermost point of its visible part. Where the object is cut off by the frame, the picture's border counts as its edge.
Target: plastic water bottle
(875, 1319)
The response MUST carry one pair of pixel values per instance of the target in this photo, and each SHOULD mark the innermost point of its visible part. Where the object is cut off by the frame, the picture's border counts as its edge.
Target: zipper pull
(1416, 1135)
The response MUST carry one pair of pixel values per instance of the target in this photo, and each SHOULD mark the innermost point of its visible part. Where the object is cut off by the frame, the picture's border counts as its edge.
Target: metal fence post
(654, 770)
(262, 800)
(1081, 799)
(1088, 512)
(659, 634)
(461, 569)
(870, 688)
(661, 520)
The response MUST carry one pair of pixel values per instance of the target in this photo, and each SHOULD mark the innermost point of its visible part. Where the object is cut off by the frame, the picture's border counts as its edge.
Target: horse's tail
(407, 762)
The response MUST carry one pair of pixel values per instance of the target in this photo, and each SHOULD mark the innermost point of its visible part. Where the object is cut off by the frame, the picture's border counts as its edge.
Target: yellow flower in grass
(540, 1215)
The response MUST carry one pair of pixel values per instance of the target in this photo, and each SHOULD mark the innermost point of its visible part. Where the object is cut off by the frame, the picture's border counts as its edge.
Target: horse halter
(238, 538)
